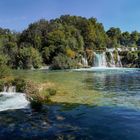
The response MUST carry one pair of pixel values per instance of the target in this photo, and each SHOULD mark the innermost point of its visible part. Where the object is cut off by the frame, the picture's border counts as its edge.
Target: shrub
(4, 71)
(63, 62)
(39, 98)
(29, 57)
(32, 92)
(36, 96)
(1, 85)
(47, 93)
(70, 53)
(132, 56)
(20, 84)
(8, 81)
(51, 91)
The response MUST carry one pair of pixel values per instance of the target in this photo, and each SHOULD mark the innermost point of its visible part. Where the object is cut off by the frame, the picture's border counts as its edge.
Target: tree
(29, 58)
(63, 62)
(134, 37)
(114, 35)
(43, 42)
(125, 39)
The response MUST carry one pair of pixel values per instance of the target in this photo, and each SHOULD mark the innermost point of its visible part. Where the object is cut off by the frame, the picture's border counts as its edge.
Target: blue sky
(17, 14)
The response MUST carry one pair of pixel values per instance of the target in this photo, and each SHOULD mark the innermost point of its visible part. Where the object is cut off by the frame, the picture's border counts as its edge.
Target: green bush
(29, 57)
(63, 62)
(37, 99)
(132, 56)
(20, 84)
(3, 60)
(51, 91)
(4, 71)
(1, 85)
(46, 94)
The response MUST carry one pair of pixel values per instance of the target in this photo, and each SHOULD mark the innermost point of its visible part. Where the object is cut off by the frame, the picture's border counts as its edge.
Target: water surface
(107, 107)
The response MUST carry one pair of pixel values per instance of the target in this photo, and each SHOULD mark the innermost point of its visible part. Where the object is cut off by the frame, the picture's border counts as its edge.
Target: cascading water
(9, 99)
(112, 61)
(10, 89)
(84, 61)
(100, 60)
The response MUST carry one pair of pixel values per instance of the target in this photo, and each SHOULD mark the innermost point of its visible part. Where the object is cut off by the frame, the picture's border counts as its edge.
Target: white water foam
(99, 60)
(12, 100)
(107, 69)
(84, 61)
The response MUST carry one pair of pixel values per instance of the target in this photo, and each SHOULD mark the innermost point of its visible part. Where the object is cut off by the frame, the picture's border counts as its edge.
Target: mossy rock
(115, 56)
(108, 56)
(37, 106)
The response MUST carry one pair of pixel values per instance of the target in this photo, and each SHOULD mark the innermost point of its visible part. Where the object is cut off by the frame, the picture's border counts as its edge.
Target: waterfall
(112, 61)
(100, 60)
(84, 61)
(10, 99)
(9, 89)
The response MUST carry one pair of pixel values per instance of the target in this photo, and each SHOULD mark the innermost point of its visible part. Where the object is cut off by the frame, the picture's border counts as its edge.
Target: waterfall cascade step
(10, 99)
(100, 59)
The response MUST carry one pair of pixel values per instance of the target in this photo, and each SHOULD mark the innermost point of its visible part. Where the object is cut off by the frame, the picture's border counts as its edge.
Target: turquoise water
(119, 87)
(114, 116)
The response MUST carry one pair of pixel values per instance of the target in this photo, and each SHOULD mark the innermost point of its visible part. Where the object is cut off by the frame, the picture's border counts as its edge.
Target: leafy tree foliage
(60, 42)
(63, 62)
(28, 58)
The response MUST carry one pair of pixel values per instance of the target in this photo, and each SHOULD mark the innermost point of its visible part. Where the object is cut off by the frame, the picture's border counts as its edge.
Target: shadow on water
(70, 122)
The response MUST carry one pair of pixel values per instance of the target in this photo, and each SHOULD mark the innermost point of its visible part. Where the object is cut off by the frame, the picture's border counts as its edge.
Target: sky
(18, 14)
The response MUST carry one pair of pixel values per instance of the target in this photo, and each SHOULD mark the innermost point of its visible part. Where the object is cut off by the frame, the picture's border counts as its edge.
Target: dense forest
(62, 42)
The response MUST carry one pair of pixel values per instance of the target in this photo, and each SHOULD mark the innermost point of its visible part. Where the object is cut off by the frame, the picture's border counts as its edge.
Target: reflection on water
(116, 115)
(117, 88)
(114, 82)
